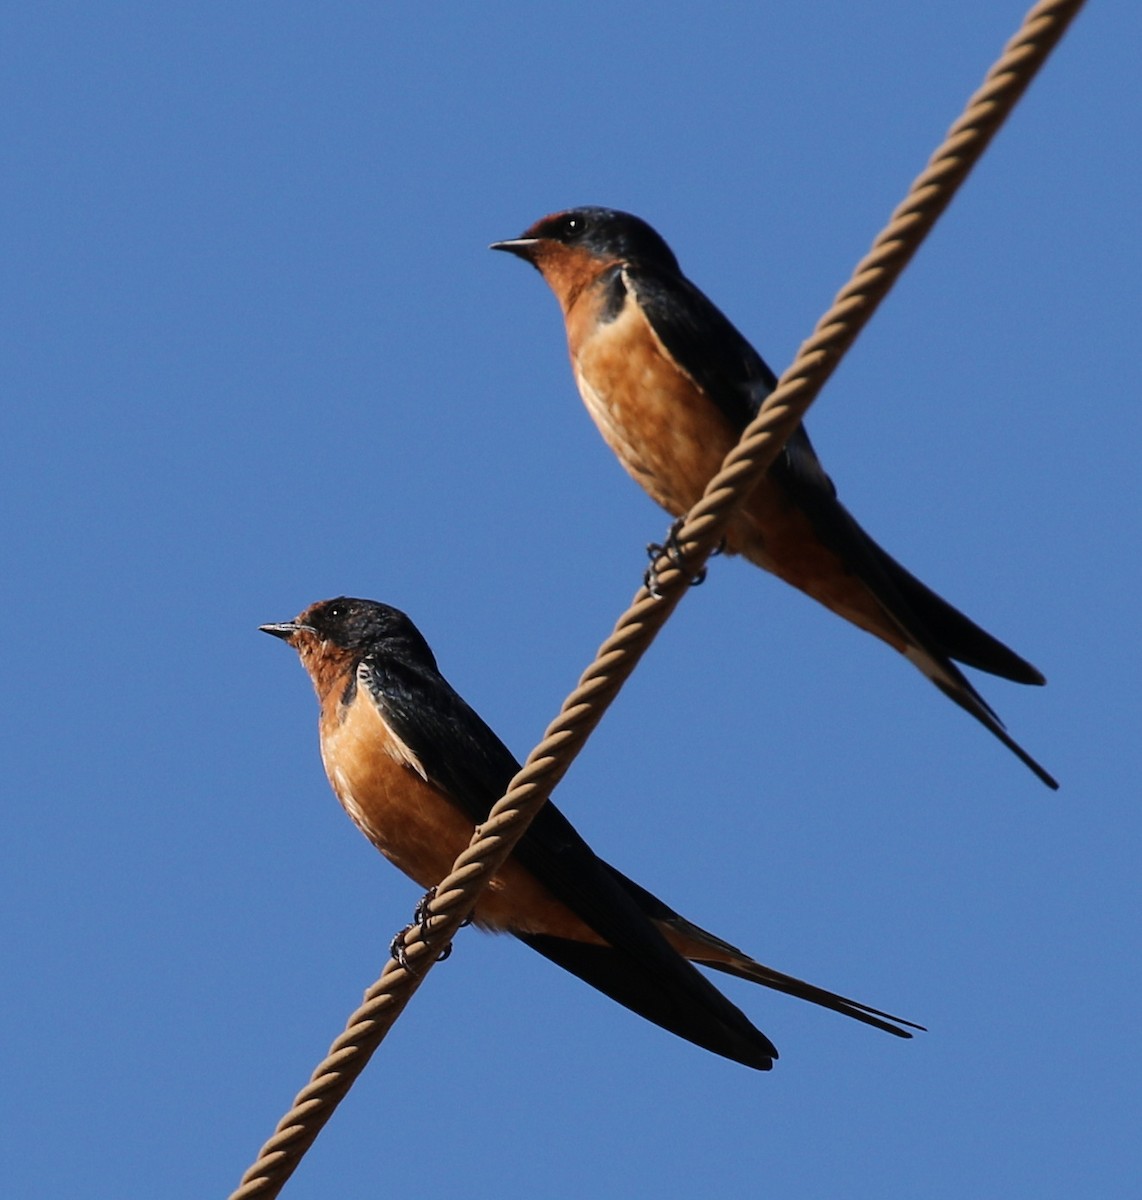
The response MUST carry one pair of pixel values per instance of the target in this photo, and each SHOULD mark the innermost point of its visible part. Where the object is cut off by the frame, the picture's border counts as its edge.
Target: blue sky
(254, 352)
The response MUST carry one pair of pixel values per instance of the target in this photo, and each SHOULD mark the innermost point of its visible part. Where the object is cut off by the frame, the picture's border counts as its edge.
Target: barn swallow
(416, 769)
(672, 385)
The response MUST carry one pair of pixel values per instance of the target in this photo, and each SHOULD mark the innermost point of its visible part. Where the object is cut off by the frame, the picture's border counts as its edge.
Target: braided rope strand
(697, 536)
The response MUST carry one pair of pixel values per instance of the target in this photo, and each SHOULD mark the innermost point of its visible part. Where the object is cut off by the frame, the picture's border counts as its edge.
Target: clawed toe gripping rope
(679, 563)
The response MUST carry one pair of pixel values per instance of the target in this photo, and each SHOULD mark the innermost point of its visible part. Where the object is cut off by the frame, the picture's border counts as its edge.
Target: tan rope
(582, 710)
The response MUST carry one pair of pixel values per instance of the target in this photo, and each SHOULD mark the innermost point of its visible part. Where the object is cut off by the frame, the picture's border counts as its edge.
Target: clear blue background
(256, 353)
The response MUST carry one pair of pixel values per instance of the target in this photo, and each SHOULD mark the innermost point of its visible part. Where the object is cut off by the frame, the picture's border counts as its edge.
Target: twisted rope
(696, 537)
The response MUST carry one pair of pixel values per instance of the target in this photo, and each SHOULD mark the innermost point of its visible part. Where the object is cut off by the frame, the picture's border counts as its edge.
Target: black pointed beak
(521, 247)
(283, 629)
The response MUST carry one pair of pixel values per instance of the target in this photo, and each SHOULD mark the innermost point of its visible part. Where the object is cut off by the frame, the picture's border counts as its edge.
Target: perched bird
(417, 769)
(672, 385)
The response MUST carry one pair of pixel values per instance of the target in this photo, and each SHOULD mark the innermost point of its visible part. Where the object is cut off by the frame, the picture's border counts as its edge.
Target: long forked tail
(955, 635)
(708, 950)
(867, 586)
(954, 684)
(746, 968)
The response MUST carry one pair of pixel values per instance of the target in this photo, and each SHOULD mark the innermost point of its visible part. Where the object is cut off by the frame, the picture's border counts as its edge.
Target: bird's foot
(397, 947)
(672, 549)
(421, 915)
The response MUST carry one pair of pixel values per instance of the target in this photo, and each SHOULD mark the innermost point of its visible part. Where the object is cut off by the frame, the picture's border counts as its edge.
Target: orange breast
(663, 428)
(416, 827)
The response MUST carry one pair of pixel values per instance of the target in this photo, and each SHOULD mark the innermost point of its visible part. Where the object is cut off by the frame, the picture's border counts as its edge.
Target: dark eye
(572, 227)
(335, 611)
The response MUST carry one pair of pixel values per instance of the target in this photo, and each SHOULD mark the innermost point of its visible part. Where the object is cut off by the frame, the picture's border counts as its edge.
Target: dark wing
(466, 760)
(934, 624)
(705, 343)
(736, 378)
(939, 632)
